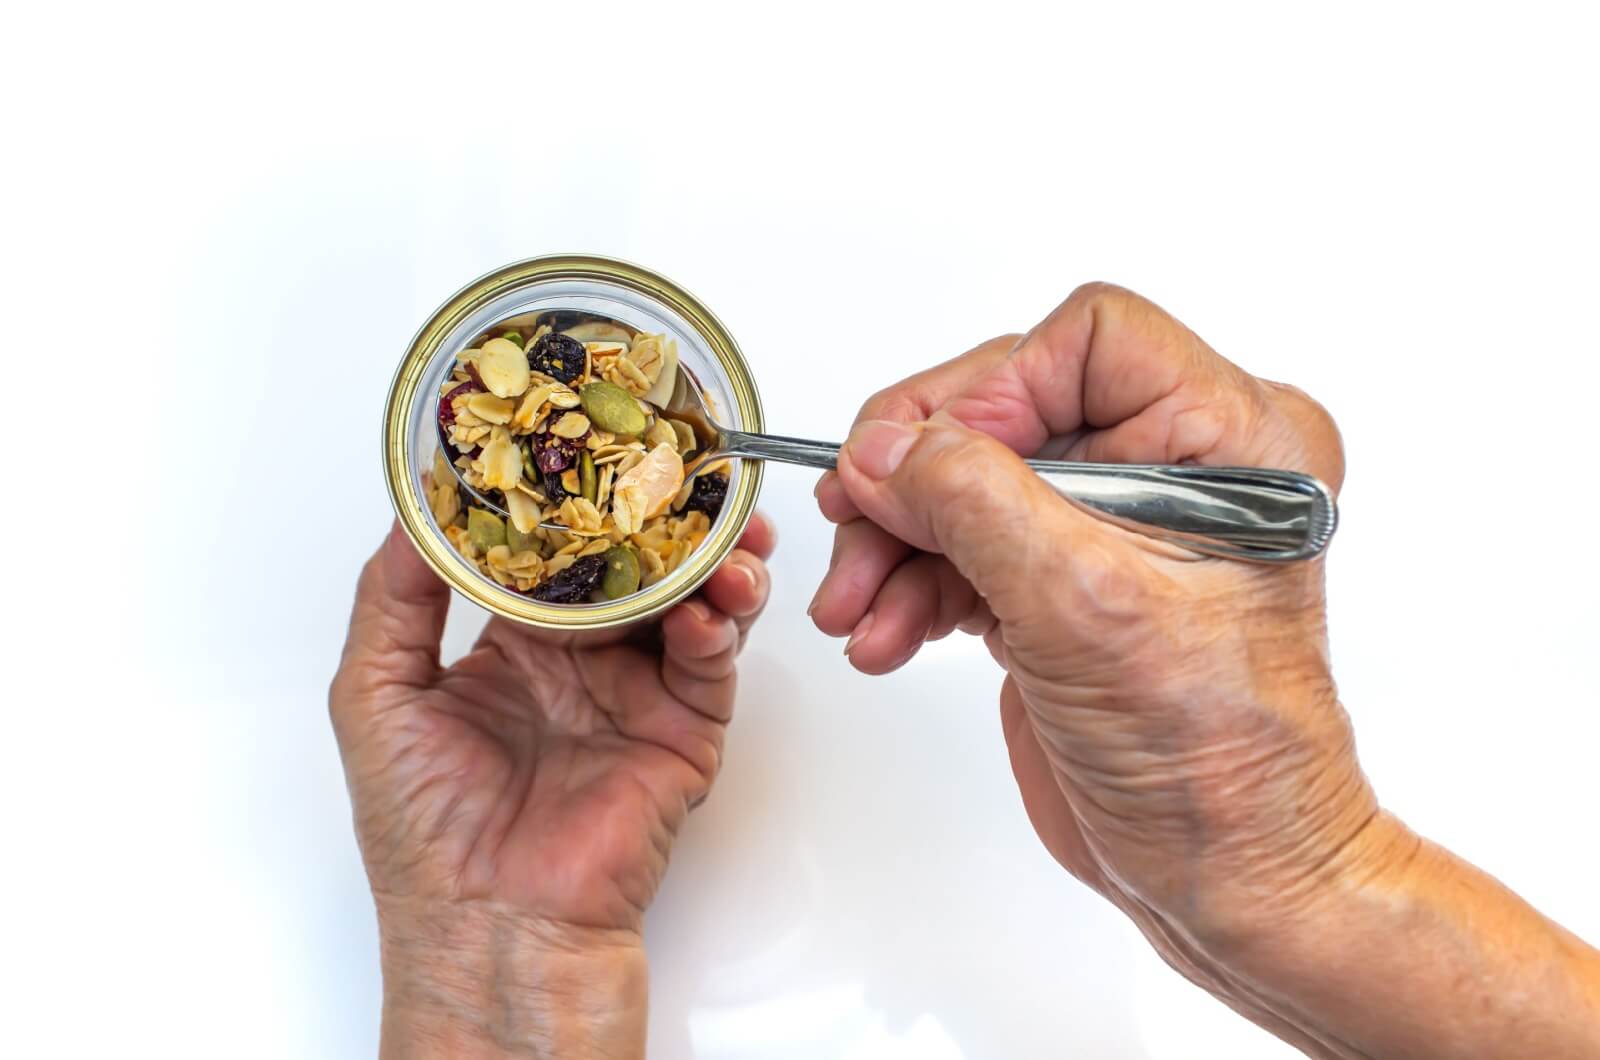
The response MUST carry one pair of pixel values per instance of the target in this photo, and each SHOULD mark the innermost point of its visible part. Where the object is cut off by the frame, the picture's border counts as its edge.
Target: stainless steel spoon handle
(1249, 513)
(776, 447)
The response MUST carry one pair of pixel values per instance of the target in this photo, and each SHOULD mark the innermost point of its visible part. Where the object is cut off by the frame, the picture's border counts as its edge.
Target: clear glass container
(512, 297)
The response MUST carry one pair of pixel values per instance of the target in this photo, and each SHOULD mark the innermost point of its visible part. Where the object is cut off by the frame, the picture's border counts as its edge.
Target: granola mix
(561, 423)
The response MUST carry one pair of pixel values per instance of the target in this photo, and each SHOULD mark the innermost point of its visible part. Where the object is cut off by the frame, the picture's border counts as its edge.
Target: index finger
(913, 400)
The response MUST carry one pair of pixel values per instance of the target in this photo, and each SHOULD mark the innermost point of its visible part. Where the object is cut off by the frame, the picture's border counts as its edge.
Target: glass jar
(510, 297)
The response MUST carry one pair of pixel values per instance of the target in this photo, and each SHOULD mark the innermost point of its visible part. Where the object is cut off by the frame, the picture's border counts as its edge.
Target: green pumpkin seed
(587, 484)
(612, 408)
(485, 530)
(513, 336)
(622, 573)
(519, 541)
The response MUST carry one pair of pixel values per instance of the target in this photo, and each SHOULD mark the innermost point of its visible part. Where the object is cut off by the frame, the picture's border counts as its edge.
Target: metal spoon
(1259, 514)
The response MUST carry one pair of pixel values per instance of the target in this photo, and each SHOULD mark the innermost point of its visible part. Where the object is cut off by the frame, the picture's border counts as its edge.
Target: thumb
(944, 488)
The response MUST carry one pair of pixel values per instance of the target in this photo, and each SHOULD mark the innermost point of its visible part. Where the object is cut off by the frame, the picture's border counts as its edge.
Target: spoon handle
(1251, 513)
(799, 451)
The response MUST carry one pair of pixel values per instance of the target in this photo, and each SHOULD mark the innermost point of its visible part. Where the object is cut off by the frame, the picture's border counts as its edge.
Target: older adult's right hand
(1172, 719)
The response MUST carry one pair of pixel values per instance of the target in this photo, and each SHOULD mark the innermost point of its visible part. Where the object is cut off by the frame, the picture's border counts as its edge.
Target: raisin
(707, 495)
(558, 356)
(573, 585)
(554, 491)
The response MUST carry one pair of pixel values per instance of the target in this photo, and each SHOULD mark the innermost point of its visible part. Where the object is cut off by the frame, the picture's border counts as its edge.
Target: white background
(223, 225)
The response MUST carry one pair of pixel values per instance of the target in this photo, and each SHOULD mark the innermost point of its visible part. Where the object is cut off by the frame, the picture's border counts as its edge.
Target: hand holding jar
(515, 809)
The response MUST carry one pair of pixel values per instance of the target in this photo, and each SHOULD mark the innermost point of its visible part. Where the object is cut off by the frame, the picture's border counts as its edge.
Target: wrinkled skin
(1171, 719)
(542, 770)
(515, 810)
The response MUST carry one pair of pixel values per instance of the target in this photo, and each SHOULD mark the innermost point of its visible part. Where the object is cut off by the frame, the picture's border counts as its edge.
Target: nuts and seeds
(566, 428)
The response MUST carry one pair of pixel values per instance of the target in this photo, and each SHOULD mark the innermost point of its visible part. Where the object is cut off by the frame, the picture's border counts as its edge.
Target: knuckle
(1316, 430)
(1116, 588)
(897, 403)
(999, 344)
(1100, 298)
(1117, 310)
(1097, 291)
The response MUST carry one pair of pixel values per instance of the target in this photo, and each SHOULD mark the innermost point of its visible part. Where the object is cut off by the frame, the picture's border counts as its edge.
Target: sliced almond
(500, 463)
(563, 398)
(524, 511)
(569, 481)
(490, 409)
(526, 563)
(538, 333)
(659, 476)
(602, 350)
(532, 402)
(686, 438)
(661, 433)
(682, 496)
(588, 514)
(628, 507)
(651, 569)
(572, 425)
(648, 354)
(660, 393)
(626, 374)
(503, 368)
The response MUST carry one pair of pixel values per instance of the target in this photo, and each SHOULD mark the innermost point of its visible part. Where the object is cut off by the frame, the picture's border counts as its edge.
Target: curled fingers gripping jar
(531, 454)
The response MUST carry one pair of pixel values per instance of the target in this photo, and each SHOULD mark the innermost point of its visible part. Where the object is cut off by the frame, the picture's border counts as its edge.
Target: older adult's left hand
(515, 810)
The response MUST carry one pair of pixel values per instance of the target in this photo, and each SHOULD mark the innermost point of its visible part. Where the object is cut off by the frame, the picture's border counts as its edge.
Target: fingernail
(815, 600)
(877, 447)
(750, 578)
(816, 491)
(698, 610)
(858, 634)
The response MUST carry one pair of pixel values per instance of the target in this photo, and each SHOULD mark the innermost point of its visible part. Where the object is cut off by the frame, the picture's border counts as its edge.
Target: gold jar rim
(399, 464)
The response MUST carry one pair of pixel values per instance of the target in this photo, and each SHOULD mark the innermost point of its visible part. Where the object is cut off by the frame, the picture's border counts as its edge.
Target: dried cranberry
(558, 356)
(573, 585)
(551, 453)
(447, 412)
(707, 495)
